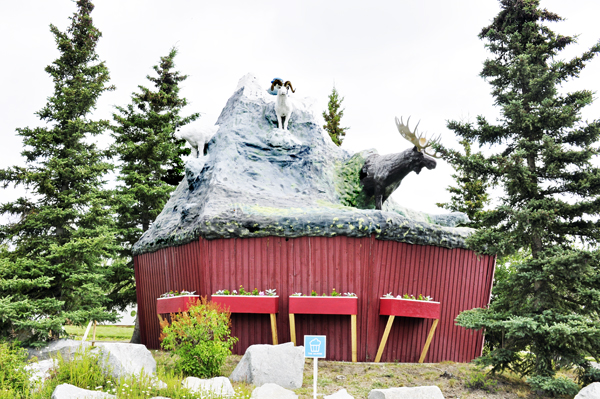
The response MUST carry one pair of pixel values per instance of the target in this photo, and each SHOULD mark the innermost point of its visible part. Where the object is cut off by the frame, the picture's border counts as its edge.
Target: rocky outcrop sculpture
(258, 180)
(382, 174)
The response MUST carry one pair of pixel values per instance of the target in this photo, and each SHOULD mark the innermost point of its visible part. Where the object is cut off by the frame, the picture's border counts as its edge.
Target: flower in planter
(172, 294)
(254, 292)
(420, 297)
(297, 294)
(350, 294)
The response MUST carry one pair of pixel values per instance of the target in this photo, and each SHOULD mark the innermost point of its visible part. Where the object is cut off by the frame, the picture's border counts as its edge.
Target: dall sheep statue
(382, 174)
(197, 137)
(283, 106)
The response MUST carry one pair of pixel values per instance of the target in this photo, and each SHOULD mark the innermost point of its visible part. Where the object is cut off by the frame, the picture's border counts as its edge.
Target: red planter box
(409, 308)
(323, 305)
(248, 303)
(175, 304)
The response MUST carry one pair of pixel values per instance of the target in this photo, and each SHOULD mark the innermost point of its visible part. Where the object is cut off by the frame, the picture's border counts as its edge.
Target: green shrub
(14, 378)
(560, 386)
(481, 381)
(200, 337)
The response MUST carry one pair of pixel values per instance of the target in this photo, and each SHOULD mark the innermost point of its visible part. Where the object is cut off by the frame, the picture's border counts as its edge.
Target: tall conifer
(151, 164)
(52, 264)
(546, 315)
(333, 116)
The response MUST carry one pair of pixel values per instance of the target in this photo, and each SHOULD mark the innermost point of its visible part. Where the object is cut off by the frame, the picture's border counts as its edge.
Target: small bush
(200, 337)
(14, 378)
(481, 381)
(560, 386)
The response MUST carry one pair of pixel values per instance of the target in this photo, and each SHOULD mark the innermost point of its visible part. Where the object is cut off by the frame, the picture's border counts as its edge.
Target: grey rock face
(407, 393)
(341, 394)
(257, 180)
(592, 391)
(214, 386)
(123, 359)
(272, 391)
(279, 364)
(68, 391)
(66, 348)
(40, 370)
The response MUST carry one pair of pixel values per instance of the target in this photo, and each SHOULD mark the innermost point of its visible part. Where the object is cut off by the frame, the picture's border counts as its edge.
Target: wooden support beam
(353, 332)
(384, 339)
(274, 328)
(293, 328)
(428, 342)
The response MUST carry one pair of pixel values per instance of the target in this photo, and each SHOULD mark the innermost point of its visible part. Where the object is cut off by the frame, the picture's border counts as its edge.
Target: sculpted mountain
(258, 180)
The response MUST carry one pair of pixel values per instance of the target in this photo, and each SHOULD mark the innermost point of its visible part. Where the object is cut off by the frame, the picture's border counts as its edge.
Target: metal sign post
(315, 347)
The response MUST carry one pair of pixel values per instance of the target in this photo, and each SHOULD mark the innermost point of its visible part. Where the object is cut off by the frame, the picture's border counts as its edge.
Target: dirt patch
(454, 379)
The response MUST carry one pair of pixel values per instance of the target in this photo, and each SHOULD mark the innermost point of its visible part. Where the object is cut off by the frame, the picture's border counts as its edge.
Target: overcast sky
(387, 58)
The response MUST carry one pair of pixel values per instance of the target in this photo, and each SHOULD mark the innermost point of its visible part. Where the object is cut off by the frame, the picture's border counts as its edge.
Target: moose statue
(382, 174)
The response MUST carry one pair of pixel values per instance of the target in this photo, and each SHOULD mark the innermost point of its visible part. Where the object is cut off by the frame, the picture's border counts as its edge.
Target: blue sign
(315, 345)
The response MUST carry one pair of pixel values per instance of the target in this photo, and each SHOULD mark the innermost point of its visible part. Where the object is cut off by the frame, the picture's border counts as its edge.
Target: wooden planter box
(393, 307)
(341, 305)
(409, 308)
(344, 305)
(248, 303)
(252, 304)
(175, 304)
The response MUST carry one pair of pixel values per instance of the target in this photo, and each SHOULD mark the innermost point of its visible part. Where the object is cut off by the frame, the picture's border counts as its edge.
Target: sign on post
(315, 346)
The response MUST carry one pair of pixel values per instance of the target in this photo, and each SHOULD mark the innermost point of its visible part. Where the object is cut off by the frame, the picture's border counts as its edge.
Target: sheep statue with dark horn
(382, 174)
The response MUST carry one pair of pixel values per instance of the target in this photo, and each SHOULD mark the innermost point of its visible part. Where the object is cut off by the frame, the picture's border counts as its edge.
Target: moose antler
(420, 141)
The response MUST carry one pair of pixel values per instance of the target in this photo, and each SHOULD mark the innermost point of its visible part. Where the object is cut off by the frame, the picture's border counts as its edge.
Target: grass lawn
(103, 333)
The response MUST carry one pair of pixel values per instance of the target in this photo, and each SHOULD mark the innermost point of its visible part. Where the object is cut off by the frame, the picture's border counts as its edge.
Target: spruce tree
(546, 315)
(470, 195)
(332, 116)
(151, 165)
(52, 263)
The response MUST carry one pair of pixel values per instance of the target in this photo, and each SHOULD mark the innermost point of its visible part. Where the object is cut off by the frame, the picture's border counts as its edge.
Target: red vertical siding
(458, 278)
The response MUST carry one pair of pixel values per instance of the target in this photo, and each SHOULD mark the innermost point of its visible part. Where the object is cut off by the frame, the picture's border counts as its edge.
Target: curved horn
(274, 82)
(289, 84)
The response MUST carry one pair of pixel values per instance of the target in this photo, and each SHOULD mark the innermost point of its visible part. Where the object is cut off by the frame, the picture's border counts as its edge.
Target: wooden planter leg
(293, 328)
(274, 328)
(428, 342)
(353, 332)
(388, 327)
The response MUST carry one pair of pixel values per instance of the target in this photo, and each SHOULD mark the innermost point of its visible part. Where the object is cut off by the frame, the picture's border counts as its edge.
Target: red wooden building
(458, 278)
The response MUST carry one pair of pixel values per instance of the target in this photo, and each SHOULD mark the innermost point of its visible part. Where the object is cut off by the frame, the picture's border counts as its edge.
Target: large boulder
(66, 348)
(272, 391)
(429, 392)
(278, 364)
(341, 394)
(68, 391)
(121, 359)
(220, 386)
(592, 391)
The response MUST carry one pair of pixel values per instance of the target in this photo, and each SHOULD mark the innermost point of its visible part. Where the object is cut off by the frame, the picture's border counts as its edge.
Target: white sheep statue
(197, 137)
(283, 106)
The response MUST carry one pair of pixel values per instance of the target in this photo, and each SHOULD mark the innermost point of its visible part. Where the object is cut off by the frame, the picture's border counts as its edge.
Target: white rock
(279, 364)
(429, 392)
(341, 394)
(40, 370)
(272, 391)
(66, 347)
(592, 391)
(218, 386)
(68, 391)
(127, 359)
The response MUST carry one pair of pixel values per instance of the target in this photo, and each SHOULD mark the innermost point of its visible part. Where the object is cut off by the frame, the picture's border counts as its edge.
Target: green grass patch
(103, 333)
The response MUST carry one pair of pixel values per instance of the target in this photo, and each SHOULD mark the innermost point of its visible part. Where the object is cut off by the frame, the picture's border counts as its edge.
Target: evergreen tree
(332, 118)
(546, 314)
(470, 195)
(151, 165)
(52, 263)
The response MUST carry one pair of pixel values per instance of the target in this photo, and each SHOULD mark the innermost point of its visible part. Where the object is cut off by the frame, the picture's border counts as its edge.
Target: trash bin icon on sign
(315, 346)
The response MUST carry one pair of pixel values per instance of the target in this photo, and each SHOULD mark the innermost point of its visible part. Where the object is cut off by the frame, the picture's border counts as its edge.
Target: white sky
(387, 58)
